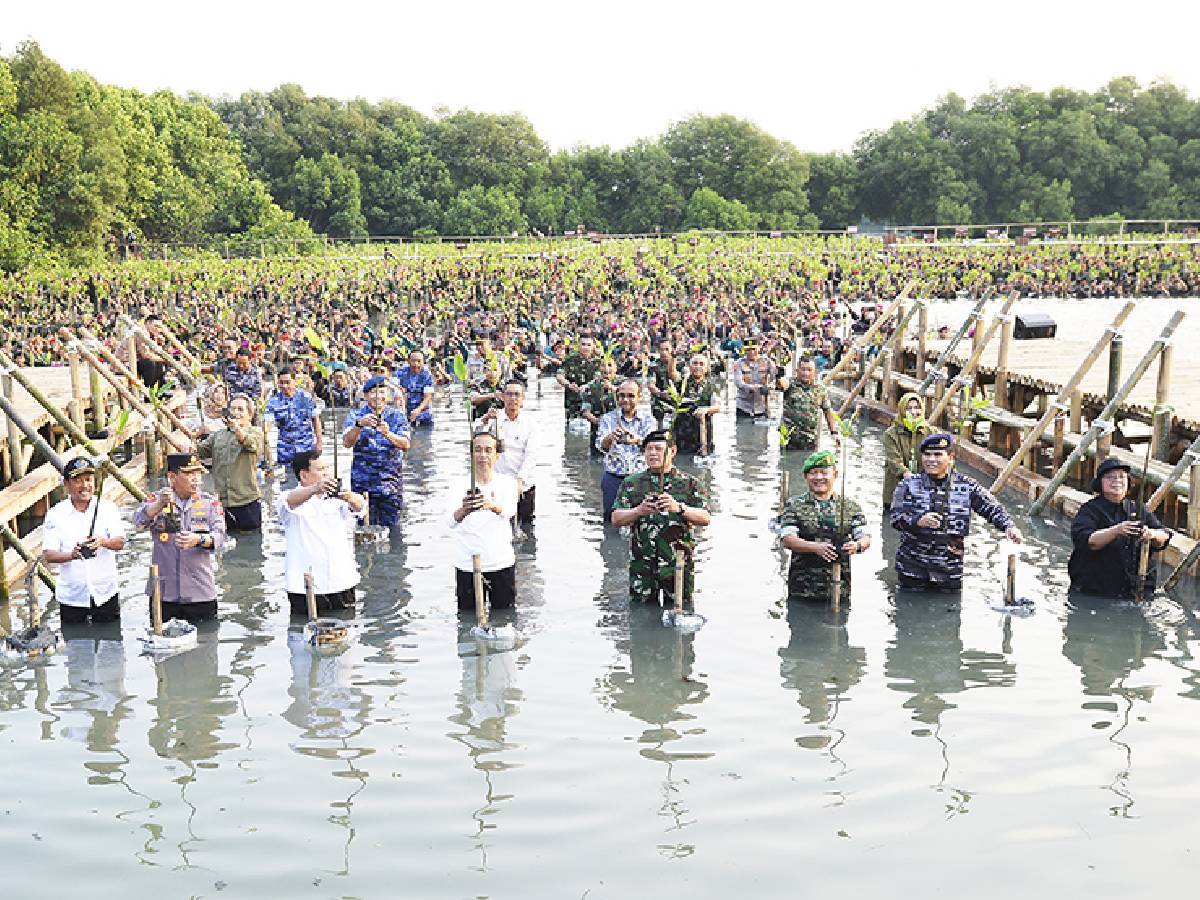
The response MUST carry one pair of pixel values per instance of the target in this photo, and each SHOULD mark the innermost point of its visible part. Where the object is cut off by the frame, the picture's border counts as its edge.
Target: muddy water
(909, 744)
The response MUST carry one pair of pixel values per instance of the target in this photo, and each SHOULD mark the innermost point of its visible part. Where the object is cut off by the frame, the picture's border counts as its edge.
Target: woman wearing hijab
(901, 443)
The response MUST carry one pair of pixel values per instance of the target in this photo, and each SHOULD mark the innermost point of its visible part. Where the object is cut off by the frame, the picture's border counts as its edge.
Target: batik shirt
(247, 382)
(836, 520)
(804, 408)
(936, 554)
(655, 537)
(622, 458)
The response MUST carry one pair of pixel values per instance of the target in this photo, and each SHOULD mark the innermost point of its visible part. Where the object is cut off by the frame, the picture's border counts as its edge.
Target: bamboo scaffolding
(1065, 394)
(935, 371)
(140, 333)
(865, 340)
(964, 376)
(1101, 423)
(862, 382)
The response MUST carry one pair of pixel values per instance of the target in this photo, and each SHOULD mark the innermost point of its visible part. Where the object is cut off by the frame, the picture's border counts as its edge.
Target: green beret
(822, 459)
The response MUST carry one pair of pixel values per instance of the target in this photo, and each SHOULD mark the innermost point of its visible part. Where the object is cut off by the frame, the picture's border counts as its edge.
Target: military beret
(939, 441)
(822, 459)
(375, 381)
(665, 437)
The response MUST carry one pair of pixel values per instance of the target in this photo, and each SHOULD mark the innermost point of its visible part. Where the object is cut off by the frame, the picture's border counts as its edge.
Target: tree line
(82, 164)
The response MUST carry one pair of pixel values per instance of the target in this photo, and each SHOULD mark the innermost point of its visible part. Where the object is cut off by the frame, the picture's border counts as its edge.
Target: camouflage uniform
(654, 537)
(661, 406)
(377, 467)
(598, 397)
(577, 370)
(836, 520)
(804, 408)
(486, 386)
(693, 396)
(929, 557)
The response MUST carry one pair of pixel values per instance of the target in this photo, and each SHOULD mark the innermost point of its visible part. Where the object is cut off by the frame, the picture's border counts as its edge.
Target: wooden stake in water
(310, 596)
(1010, 583)
(679, 581)
(835, 587)
(704, 436)
(480, 604)
(156, 621)
(1139, 589)
(783, 490)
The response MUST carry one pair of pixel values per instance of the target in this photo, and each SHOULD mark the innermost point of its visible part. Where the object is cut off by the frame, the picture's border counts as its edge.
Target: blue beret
(939, 441)
(373, 382)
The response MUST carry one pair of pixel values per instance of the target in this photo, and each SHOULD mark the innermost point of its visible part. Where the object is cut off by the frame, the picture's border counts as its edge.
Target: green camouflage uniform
(693, 396)
(803, 411)
(655, 537)
(580, 371)
(661, 406)
(598, 397)
(814, 520)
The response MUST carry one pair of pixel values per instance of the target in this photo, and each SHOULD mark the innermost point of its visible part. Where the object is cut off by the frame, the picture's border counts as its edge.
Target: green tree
(485, 211)
(708, 210)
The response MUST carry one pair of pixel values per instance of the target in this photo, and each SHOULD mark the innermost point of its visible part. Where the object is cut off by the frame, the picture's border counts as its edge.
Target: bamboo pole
(11, 537)
(35, 438)
(76, 407)
(1182, 568)
(1070, 392)
(1161, 434)
(1010, 582)
(142, 334)
(179, 347)
(310, 597)
(74, 433)
(1115, 356)
(96, 392)
(865, 340)
(1190, 456)
(936, 370)
(922, 339)
(119, 367)
(481, 612)
(16, 454)
(1194, 507)
(963, 378)
(678, 586)
(156, 621)
(1101, 424)
(861, 384)
(1000, 387)
(147, 412)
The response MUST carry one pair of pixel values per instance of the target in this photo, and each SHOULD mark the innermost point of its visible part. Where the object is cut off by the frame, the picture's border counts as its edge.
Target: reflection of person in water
(323, 695)
(1107, 640)
(95, 686)
(927, 658)
(192, 701)
(818, 662)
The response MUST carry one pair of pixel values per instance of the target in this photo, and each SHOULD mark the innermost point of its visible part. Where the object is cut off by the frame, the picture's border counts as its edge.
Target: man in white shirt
(516, 435)
(481, 526)
(86, 552)
(318, 525)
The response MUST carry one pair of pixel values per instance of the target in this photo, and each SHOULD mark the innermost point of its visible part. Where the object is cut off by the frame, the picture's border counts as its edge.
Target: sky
(612, 72)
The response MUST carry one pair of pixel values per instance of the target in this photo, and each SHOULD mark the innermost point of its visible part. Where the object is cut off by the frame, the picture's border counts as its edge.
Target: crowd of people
(640, 345)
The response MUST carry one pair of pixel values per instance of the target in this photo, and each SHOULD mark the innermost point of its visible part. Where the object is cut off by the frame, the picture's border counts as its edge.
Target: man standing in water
(752, 378)
(818, 528)
(87, 580)
(577, 370)
(188, 530)
(662, 506)
(481, 526)
(515, 429)
(378, 434)
(619, 437)
(932, 512)
(296, 418)
(234, 451)
(416, 382)
(1108, 532)
(805, 405)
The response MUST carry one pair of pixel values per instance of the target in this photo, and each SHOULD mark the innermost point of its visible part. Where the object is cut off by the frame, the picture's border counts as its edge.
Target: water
(909, 744)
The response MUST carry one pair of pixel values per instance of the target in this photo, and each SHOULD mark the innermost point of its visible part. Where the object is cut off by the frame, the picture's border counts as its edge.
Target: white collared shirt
(320, 539)
(517, 459)
(82, 580)
(483, 531)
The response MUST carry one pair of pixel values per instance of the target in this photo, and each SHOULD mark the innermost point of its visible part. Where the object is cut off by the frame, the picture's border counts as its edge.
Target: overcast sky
(613, 71)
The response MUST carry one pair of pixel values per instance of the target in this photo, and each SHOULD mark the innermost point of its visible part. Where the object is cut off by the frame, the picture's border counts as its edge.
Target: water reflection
(95, 688)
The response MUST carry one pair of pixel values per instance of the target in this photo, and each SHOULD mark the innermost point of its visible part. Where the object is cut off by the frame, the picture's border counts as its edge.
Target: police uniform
(377, 467)
(932, 558)
(654, 538)
(187, 577)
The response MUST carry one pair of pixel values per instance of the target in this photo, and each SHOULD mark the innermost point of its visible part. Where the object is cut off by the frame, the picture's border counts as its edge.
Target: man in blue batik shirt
(417, 383)
(378, 434)
(242, 377)
(296, 416)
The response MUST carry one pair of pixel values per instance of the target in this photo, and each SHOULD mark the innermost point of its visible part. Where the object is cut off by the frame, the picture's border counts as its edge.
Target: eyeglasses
(626, 396)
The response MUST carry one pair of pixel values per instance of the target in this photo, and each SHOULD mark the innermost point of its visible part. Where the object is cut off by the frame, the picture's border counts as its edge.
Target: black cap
(184, 462)
(939, 441)
(1109, 464)
(80, 465)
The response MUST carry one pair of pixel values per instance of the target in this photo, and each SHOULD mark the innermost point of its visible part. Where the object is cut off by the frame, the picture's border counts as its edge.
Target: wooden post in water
(310, 597)
(783, 490)
(922, 338)
(1115, 352)
(966, 377)
(1102, 425)
(1010, 583)
(1000, 388)
(11, 537)
(1161, 434)
(972, 318)
(156, 621)
(1193, 514)
(16, 453)
(865, 340)
(96, 391)
(76, 406)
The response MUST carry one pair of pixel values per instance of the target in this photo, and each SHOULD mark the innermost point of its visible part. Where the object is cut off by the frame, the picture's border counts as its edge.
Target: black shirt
(1111, 570)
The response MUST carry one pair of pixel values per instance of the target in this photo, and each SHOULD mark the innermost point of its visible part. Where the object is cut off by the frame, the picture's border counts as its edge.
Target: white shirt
(320, 539)
(483, 531)
(82, 580)
(517, 459)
